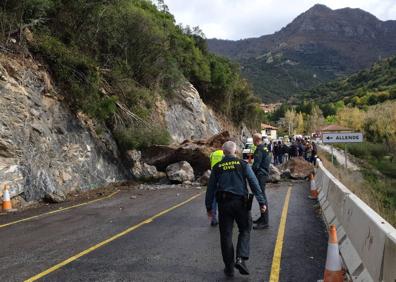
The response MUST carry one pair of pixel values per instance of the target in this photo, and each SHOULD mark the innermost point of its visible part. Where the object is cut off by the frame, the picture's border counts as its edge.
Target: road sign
(338, 137)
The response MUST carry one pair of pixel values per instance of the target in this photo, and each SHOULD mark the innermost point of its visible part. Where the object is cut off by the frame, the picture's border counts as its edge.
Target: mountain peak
(319, 8)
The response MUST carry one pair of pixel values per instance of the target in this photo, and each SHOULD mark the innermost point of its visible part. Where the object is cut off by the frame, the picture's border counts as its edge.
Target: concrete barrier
(367, 241)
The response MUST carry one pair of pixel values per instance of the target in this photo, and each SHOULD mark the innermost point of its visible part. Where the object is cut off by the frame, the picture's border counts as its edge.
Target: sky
(238, 19)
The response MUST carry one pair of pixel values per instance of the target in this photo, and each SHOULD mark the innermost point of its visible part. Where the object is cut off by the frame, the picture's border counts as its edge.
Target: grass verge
(375, 189)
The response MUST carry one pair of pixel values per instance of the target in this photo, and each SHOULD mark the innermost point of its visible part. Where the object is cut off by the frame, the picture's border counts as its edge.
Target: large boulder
(180, 172)
(141, 170)
(195, 153)
(275, 174)
(298, 168)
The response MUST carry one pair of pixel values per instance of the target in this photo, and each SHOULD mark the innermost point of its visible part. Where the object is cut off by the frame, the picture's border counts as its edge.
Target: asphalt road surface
(163, 235)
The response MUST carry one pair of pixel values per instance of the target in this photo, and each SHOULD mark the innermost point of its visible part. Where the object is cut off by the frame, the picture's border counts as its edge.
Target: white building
(269, 131)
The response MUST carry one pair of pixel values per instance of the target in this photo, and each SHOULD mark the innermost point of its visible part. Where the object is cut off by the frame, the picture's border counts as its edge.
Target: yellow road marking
(276, 260)
(59, 210)
(105, 242)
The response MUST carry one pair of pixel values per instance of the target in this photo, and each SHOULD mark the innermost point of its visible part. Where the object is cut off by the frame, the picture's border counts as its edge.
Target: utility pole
(346, 158)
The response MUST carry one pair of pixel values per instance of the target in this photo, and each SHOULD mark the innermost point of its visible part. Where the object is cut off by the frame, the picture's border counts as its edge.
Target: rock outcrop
(45, 150)
(187, 117)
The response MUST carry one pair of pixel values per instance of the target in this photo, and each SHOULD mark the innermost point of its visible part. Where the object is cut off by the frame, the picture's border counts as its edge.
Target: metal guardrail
(367, 241)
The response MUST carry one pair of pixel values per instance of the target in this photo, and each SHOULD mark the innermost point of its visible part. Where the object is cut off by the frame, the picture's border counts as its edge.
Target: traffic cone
(6, 199)
(333, 271)
(314, 190)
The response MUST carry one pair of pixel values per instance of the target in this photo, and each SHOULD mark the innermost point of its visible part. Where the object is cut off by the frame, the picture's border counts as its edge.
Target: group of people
(303, 148)
(299, 147)
(228, 188)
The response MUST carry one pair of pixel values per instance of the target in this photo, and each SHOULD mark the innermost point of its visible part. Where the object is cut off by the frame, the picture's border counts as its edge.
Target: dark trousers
(263, 181)
(231, 210)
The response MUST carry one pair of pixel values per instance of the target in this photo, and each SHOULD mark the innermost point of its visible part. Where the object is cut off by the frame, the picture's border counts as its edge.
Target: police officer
(215, 157)
(228, 183)
(261, 167)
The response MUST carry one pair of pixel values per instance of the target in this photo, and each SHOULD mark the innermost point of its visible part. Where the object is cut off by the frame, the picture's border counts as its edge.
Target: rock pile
(196, 153)
(297, 168)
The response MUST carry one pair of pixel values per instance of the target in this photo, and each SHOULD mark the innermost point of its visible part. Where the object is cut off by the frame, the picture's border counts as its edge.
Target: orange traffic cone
(333, 271)
(6, 199)
(314, 190)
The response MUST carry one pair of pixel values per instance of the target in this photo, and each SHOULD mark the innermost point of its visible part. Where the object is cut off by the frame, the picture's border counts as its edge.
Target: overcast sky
(236, 19)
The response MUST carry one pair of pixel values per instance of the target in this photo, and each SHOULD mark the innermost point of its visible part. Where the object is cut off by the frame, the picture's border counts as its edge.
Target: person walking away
(261, 167)
(228, 183)
(215, 157)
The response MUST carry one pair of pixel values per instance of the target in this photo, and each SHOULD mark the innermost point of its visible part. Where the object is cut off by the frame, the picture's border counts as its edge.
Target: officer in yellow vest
(215, 157)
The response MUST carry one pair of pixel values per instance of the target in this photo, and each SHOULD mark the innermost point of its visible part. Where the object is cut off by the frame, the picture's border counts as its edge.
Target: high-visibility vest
(215, 157)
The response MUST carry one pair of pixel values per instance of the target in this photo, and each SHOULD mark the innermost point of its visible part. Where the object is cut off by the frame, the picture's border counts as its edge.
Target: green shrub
(141, 137)
(367, 150)
(387, 168)
(384, 191)
(78, 77)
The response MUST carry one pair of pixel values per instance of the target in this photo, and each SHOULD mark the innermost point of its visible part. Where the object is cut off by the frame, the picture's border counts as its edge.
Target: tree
(299, 123)
(314, 120)
(290, 119)
(351, 118)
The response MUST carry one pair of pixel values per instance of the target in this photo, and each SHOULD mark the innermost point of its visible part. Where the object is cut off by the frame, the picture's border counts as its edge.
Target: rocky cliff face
(45, 151)
(187, 117)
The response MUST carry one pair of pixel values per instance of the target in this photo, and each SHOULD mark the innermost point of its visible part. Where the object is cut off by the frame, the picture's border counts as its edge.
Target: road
(340, 157)
(160, 235)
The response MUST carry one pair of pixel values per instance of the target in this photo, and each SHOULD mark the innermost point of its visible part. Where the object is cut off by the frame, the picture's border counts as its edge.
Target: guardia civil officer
(261, 168)
(228, 183)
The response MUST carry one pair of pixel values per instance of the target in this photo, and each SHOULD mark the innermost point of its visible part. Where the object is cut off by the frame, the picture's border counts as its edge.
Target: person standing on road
(215, 157)
(261, 168)
(314, 153)
(228, 183)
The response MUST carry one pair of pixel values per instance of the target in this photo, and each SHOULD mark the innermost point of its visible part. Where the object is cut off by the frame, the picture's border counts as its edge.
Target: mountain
(367, 87)
(319, 45)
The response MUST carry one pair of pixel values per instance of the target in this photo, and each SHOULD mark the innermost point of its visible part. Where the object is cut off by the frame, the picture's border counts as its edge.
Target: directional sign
(338, 137)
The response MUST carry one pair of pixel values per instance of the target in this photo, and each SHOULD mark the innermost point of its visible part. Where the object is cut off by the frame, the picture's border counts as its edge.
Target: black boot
(229, 271)
(262, 222)
(241, 266)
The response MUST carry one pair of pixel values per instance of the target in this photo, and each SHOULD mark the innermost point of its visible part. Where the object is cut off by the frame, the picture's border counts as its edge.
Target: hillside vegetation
(364, 102)
(107, 53)
(365, 88)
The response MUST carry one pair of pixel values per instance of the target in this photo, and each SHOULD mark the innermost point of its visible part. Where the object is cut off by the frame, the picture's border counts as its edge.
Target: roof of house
(334, 127)
(267, 126)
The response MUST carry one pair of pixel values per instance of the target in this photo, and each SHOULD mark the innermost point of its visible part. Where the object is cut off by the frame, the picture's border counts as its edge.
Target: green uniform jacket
(262, 160)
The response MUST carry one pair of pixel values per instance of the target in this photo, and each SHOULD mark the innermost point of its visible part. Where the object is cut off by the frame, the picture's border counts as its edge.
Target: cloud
(236, 19)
